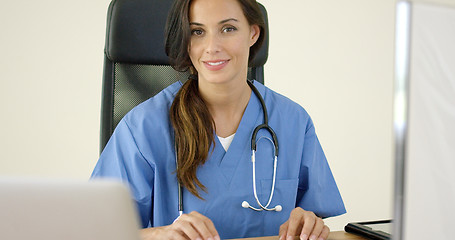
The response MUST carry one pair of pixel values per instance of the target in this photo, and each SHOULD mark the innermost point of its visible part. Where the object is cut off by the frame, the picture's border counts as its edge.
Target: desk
(339, 235)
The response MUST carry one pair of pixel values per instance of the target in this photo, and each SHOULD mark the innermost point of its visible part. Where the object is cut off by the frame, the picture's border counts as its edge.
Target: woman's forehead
(215, 11)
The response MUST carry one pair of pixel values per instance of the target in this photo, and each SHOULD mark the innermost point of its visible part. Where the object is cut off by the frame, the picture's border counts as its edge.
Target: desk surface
(339, 235)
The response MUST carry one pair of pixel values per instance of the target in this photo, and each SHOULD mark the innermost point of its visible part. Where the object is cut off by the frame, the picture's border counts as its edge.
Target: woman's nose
(212, 44)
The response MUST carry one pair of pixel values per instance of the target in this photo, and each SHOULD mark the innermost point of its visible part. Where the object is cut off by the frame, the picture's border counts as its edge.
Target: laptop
(70, 210)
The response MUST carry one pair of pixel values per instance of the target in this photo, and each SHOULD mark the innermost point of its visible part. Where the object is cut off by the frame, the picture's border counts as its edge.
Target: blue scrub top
(141, 153)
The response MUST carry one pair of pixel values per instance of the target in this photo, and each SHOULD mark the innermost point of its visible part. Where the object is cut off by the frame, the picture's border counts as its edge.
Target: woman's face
(221, 38)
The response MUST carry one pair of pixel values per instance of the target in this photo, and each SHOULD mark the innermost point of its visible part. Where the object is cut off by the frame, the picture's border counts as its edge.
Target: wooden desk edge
(338, 235)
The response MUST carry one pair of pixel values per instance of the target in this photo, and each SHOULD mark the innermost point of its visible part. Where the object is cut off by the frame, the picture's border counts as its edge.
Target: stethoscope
(274, 141)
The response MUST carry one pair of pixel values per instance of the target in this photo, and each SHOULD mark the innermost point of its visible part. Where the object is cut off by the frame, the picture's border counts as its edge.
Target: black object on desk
(381, 230)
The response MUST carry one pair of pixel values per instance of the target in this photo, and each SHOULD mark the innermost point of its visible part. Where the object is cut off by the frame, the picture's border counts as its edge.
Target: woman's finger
(164, 232)
(325, 233)
(295, 223)
(174, 235)
(185, 226)
(204, 226)
(309, 220)
(317, 228)
(283, 230)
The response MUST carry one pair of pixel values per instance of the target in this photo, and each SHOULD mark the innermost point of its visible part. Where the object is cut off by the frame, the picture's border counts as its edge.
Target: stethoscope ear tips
(245, 204)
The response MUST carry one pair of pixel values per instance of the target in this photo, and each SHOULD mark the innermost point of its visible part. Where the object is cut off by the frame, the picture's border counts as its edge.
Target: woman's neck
(227, 103)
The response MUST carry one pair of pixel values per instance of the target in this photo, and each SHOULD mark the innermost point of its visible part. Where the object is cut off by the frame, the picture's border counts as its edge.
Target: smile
(215, 65)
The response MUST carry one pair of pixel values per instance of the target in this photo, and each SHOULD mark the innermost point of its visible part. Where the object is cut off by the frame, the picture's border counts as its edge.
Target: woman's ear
(255, 31)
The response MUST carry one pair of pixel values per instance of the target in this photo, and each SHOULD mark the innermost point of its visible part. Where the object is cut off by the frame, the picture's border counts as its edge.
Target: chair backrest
(136, 66)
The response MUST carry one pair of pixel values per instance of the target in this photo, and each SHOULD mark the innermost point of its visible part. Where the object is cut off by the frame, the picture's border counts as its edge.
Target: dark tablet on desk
(381, 230)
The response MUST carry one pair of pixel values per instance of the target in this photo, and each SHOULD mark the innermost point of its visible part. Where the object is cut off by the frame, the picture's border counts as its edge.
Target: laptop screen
(70, 210)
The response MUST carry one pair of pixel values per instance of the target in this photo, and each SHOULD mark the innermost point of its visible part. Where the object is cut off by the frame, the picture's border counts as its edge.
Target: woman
(207, 124)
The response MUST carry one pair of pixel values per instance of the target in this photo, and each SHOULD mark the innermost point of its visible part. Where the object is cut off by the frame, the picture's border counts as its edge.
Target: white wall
(334, 57)
(51, 69)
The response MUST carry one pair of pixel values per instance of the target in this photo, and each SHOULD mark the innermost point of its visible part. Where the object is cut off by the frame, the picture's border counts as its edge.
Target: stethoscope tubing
(264, 125)
(275, 161)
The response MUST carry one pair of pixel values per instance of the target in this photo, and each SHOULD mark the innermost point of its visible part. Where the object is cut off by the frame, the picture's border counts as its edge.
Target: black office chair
(136, 66)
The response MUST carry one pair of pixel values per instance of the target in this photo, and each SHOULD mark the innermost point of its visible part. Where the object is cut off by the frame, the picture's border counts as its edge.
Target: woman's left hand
(304, 224)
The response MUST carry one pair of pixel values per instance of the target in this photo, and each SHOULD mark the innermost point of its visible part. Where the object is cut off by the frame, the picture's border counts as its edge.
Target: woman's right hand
(194, 226)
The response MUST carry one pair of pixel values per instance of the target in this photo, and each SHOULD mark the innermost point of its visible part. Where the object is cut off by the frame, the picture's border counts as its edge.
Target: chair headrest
(135, 33)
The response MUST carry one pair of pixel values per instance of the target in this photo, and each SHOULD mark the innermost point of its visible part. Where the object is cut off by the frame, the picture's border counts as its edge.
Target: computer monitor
(424, 120)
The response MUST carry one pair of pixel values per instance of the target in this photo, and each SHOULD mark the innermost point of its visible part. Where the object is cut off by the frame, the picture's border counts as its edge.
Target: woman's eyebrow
(227, 20)
(221, 22)
(196, 23)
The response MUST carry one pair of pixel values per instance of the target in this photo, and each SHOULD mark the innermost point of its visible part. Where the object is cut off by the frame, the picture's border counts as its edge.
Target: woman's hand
(188, 226)
(304, 224)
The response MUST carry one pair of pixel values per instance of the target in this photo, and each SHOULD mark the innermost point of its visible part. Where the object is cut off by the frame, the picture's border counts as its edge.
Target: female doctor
(198, 135)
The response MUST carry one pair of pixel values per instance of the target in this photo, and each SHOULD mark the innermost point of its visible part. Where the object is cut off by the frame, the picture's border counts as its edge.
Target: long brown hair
(193, 125)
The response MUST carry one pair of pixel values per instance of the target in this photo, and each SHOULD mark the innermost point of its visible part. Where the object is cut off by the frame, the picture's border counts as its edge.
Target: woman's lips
(215, 65)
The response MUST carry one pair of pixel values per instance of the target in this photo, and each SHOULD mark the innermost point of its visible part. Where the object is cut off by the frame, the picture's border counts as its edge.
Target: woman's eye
(229, 29)
(196, 32)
